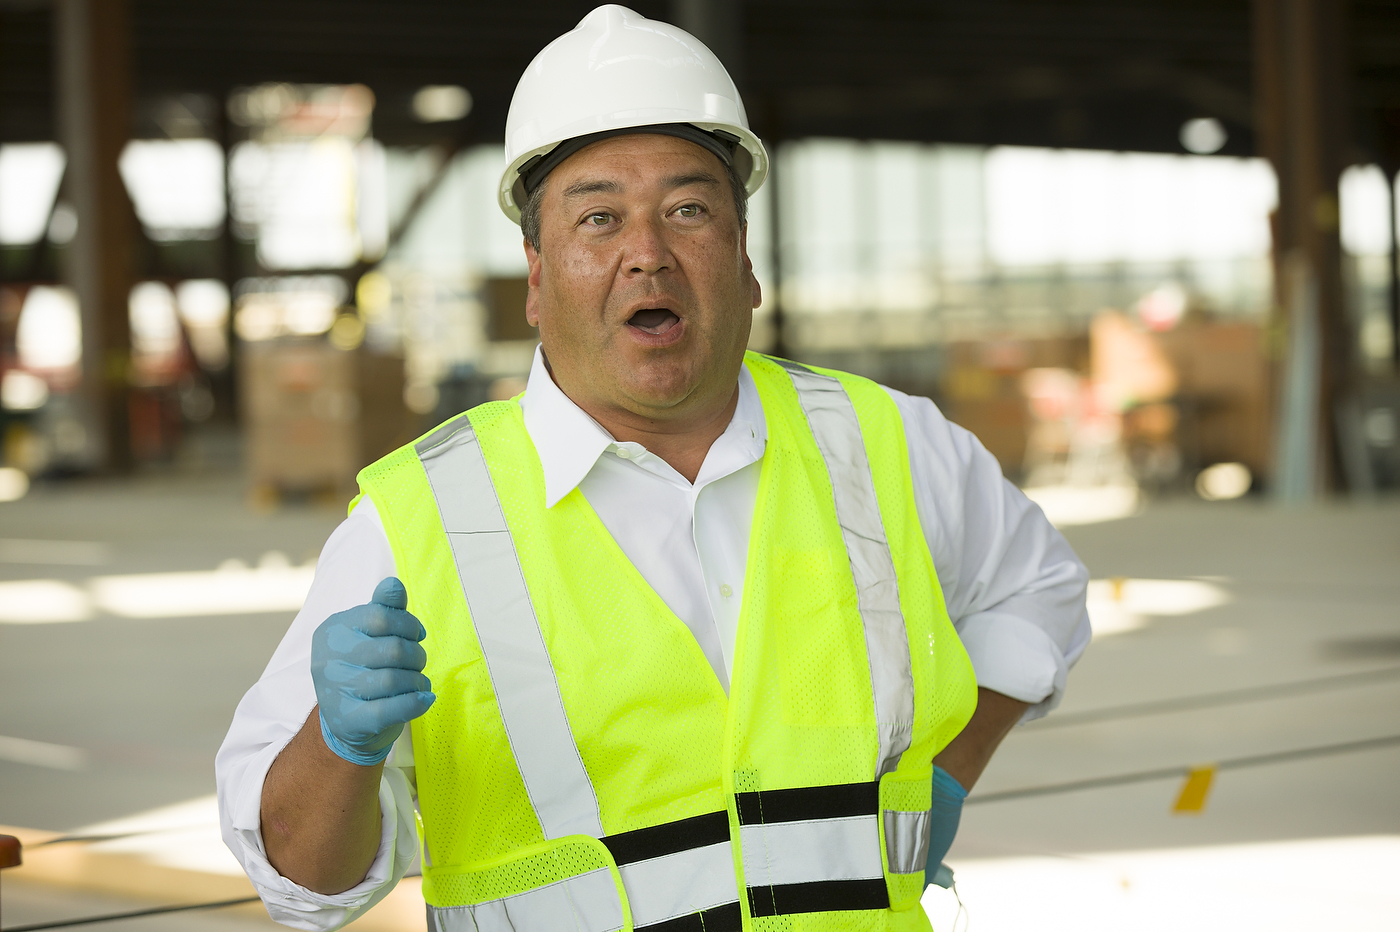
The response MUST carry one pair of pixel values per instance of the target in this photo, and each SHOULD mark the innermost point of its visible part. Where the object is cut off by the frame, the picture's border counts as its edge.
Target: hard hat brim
(750, 159)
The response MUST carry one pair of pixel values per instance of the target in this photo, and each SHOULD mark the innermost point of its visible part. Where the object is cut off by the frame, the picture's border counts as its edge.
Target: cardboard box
(314, 415)
(1223, 393)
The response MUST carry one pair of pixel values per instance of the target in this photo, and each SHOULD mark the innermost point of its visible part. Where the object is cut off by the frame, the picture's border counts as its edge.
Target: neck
(684, 446)
(683, 443)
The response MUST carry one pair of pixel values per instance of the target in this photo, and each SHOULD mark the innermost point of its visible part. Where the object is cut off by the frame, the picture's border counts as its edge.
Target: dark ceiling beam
(957, 68)
(720, 25)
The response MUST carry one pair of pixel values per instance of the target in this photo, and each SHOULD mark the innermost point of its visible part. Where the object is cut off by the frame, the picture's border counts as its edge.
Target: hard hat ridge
(617, 73)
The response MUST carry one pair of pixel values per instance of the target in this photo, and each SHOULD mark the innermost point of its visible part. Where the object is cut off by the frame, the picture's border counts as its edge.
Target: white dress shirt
(1013, 587)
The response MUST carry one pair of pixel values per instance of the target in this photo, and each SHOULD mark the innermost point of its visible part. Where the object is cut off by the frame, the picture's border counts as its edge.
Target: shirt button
(725, 591)
(624, 454)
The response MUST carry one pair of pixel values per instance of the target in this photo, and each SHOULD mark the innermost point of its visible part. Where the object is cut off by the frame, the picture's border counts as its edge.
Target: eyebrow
(701, 178)
(585, 188)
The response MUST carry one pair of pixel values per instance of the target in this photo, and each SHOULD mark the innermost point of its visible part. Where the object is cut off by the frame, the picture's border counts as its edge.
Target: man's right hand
(367, 665)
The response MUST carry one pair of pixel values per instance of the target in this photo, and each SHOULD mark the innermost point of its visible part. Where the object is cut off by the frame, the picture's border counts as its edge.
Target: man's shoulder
(863, 391)
(490, 416)
(777, 364)
(487, 416)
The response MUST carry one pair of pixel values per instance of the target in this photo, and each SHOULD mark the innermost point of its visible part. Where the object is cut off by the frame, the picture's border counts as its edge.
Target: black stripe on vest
(804, 803)
(821, 896)
(657, 841)
(726, 918)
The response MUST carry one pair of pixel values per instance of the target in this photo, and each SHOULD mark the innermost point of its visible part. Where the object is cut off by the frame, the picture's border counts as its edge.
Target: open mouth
(654, 320)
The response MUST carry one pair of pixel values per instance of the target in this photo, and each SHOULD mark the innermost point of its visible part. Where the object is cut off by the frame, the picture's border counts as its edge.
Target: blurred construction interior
(202, 204)
(1144, 249)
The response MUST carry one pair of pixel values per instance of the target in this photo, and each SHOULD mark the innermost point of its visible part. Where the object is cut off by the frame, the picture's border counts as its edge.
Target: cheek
(581, 275)
(728, 278)
(573, 294)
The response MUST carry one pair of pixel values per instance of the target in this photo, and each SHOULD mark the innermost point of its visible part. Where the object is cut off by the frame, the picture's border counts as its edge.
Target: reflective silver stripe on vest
(812, 848)
(583, 903)
(679, 884)
(832, 418)
(906, 840)
(806, 852)
(509, 632)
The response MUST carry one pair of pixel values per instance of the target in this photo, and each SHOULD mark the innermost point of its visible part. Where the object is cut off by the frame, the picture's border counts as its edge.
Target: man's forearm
(966, 756)
(320, 813)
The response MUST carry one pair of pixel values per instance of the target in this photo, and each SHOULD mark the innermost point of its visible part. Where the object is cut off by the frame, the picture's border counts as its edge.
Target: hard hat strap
(722, 144)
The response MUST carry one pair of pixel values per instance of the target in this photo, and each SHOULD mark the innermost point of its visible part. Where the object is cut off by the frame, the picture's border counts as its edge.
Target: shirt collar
(569, 441)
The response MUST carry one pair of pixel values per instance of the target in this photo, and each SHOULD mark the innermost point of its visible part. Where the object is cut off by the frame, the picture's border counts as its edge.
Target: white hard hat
(619, 71)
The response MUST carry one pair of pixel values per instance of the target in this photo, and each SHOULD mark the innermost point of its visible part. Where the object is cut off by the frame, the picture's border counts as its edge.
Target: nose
(646, 249)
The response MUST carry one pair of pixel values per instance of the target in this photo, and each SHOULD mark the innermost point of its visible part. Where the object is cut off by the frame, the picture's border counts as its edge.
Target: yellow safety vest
(583, 769)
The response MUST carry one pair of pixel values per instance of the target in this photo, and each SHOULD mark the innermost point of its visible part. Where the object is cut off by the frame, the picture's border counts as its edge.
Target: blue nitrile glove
(367, 665)
(948, 796)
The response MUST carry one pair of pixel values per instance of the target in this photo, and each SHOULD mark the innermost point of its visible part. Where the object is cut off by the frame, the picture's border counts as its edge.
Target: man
(682, 643)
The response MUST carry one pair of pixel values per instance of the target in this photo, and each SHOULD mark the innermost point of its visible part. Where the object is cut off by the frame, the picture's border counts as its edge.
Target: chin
(656, 399)
(660, 392)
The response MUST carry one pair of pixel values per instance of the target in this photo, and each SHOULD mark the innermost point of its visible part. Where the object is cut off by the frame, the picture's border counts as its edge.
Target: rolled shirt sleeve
(356, 557)
(1013, 586)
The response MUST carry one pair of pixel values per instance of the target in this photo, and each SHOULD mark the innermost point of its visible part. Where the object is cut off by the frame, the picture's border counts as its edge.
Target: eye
(689, 210)
(600, 219)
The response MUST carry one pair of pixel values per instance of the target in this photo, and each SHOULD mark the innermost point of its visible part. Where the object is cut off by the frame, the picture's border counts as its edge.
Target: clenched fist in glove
(367, 666)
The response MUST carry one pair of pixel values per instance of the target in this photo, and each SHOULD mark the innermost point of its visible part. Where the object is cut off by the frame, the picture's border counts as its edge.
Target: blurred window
(371, 199)
(176, 185)
(203, 304)
(22, 391)
(1364, 204)
(50, 332)
(303, 305)
(155, 328)
(297, 199)
(1049, 206)
(29, 178)
(459, 230)
(308, 187)
(896, 227)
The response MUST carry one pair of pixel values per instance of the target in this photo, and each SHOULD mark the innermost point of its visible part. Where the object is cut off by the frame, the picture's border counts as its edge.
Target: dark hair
(530, 210)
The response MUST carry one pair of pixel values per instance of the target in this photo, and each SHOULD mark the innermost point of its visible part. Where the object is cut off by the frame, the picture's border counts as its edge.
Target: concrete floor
(1311, 593)
(1314, 594)
(28, 903)
(148, 699)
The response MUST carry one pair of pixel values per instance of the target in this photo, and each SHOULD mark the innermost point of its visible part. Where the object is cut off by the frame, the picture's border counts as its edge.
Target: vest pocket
(905, 798)
(569, 883)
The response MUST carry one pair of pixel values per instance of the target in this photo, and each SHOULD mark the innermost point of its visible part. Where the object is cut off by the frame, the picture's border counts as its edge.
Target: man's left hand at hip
(946, 812)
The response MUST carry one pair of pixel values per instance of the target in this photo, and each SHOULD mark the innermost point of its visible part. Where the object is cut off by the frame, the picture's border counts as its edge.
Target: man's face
(642, 287)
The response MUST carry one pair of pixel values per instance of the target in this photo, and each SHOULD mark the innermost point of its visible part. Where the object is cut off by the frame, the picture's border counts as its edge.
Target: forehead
(638, 159)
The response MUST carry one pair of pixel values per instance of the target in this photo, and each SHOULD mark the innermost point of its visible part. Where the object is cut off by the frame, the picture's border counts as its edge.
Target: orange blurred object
(1127, 365)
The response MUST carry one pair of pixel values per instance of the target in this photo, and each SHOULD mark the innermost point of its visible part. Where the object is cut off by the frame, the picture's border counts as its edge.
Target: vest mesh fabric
(658, 737)
(546, 863)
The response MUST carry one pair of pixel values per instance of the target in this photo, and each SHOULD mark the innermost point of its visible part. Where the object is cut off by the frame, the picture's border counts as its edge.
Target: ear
(532, 294)
(754, 286)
